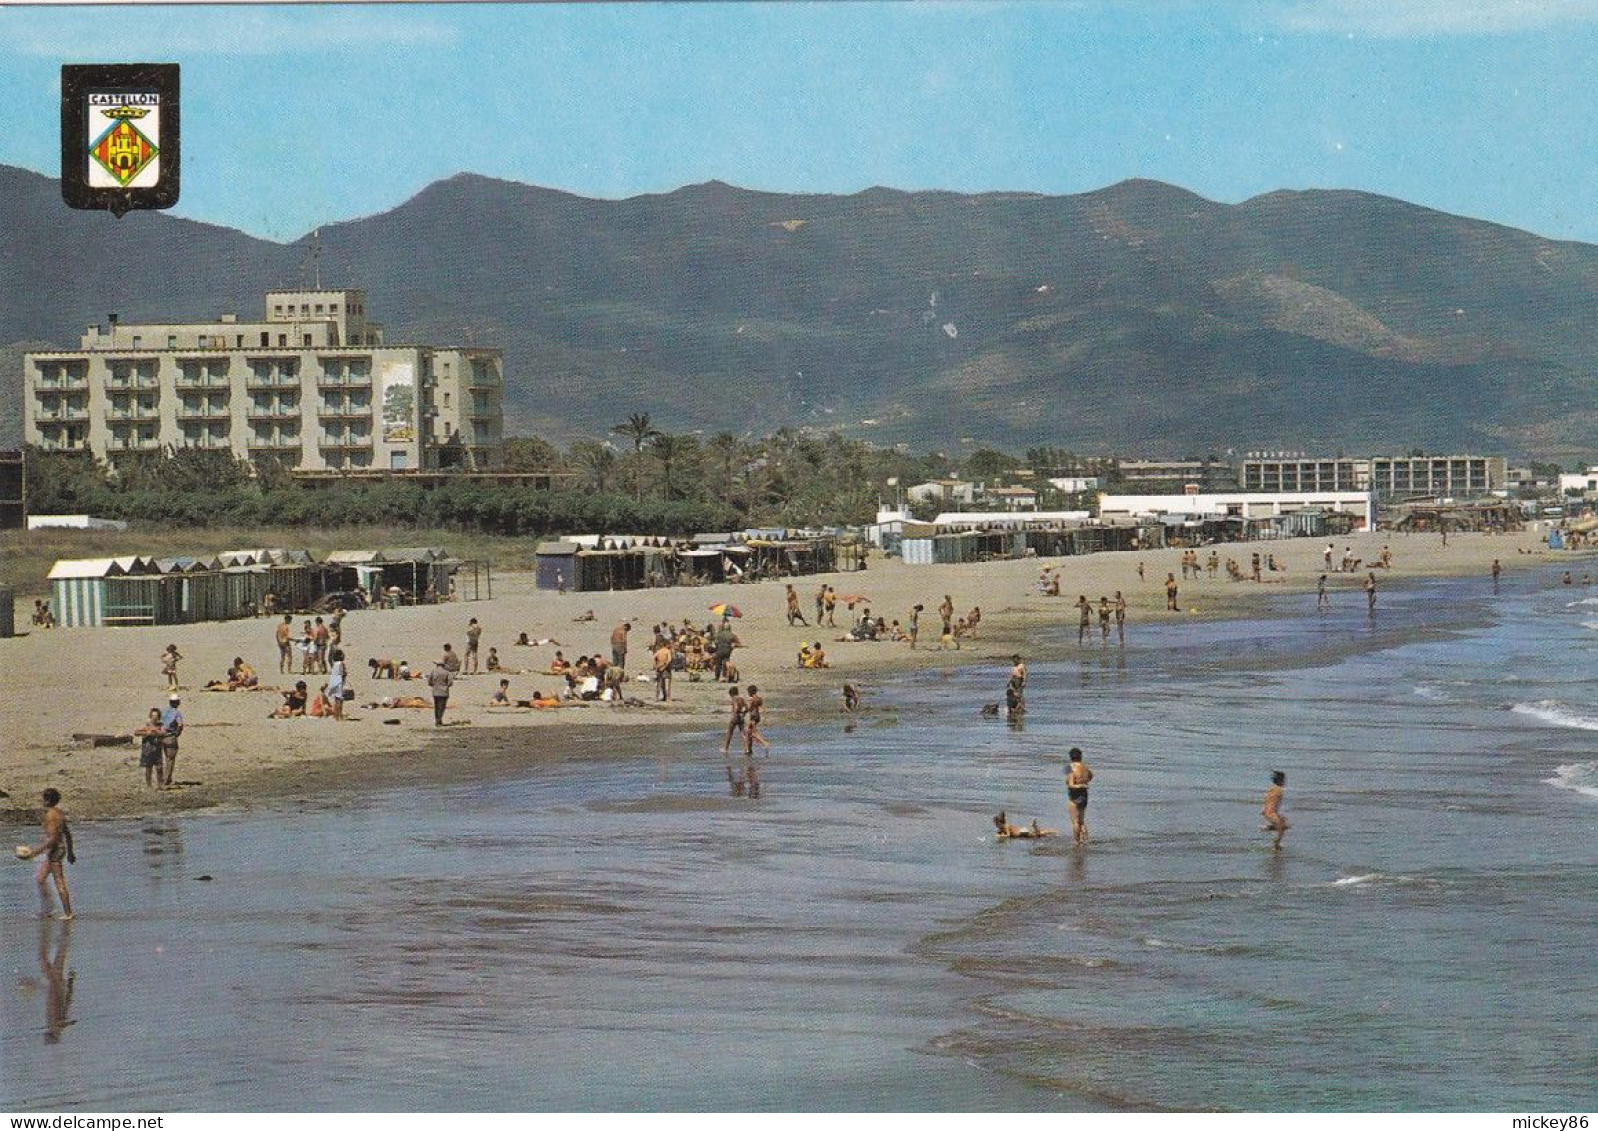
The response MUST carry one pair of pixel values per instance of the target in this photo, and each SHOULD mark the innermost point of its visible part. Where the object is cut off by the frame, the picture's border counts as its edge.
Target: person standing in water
(57, 853)
(1076, 791)
(1272, 809)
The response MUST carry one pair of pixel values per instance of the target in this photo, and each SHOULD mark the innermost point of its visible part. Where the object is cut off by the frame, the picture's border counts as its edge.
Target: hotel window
(171, 341)
(282, 340)
(318, 308)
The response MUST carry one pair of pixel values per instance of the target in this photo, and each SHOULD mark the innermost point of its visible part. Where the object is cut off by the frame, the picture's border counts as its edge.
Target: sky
(295, 116)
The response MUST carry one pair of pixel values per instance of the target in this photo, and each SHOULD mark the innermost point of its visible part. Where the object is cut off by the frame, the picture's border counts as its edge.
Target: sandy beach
(102, 681)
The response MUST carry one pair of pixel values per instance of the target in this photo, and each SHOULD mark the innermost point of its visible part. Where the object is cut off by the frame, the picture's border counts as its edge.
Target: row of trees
(656, 482)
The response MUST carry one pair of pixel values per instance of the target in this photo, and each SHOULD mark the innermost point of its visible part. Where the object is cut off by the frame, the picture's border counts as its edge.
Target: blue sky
(295, 116)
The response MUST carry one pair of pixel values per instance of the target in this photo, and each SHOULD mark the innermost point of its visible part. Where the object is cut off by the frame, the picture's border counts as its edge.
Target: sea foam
(1557, 713)
(1580, 777)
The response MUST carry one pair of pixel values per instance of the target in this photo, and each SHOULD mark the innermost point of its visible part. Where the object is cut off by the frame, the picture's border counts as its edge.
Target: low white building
(945, 491)
(1241, 504)
(980, 520)
(1583, 481)
(1075, 484)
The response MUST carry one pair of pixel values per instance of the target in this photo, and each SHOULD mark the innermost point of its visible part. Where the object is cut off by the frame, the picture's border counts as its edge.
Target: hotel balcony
(119, 384)
(196, 381)
(345, 442)
(203, 412)
(273, 412)
(344, 412)
(344, 381)
(270, 443)
(272, 381)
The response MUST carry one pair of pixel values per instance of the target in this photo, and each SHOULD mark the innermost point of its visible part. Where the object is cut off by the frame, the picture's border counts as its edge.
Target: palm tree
(640, 431)
(597, 462)
(670, 450)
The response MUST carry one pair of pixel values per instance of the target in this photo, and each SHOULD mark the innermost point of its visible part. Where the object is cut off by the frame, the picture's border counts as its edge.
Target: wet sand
(102, 681)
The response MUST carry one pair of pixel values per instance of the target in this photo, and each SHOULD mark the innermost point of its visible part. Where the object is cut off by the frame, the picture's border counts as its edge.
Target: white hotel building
(313, 384)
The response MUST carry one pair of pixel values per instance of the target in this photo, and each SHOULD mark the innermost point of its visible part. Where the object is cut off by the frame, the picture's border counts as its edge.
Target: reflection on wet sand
(58, 983)
(744, 782)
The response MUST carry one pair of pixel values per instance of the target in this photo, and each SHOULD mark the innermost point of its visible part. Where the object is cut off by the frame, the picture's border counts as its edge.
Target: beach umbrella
(722, 609)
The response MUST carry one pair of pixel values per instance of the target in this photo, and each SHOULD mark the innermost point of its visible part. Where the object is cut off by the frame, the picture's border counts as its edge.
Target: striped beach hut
(77, 590)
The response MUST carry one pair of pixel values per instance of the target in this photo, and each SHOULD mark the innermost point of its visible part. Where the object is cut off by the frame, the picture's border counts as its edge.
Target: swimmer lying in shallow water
(1008, 831)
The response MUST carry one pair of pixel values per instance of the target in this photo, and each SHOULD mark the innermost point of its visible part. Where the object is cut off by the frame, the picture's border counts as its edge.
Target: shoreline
(102, 680)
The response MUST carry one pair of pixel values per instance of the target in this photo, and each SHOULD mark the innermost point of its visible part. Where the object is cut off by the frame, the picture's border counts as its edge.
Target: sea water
(642, 933)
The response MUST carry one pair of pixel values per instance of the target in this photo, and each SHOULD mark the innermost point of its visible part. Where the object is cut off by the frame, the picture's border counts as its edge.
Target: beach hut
(77, 590)
(555, 565)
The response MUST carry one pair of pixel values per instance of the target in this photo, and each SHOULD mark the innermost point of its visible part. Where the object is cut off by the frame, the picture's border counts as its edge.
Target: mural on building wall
(399, 402)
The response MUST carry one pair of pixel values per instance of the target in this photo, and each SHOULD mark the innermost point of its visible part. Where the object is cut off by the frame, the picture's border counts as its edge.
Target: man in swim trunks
(662, 661)
(1084, 615)
(618, 644)
(1170, 593)
(474, 635)
(57, 853)
(1272, 809)
(1076, 791)
(1120, 616)
(285, 644)
(736, 722)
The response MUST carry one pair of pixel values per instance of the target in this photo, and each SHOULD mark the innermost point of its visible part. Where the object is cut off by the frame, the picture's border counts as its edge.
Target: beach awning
(355, 557)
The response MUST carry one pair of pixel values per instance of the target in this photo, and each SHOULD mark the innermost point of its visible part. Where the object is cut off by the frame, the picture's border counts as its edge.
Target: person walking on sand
(439, 681)
(1084, 616)
(57, 852)
(792, 598)
(831, 603)
(735, 722)
(474, 636)
(1271, 811)
(915, 625)
(821, 603)
(169, 666)
(285, 645)
(1170, 593)
(1077, 778)
(320, 637)
(752, 735)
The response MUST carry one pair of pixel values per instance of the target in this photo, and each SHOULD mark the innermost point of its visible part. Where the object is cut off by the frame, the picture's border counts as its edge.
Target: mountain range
(1139, 318)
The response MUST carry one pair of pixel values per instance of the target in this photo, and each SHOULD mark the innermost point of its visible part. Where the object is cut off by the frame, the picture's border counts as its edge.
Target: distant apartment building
(1442, 476)
(1390, 477)
(1174, 477)
(1298, 473)
(313, 384)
